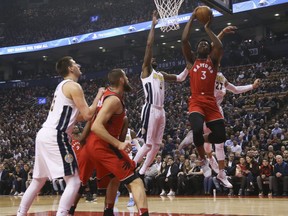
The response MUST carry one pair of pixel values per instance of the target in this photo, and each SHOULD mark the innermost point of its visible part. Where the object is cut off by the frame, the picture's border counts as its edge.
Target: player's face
(127, 86)
(76, 130)
(76, 69)
(154, 63)
(203, 48)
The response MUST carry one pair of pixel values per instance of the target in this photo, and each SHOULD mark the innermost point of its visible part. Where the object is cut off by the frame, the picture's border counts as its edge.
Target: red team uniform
(102, 156)
(202, 85)
(76, 148)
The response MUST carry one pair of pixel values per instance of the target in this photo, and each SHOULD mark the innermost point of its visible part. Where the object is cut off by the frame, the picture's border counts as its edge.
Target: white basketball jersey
(220, 89)
(63, 112)
(154, 88)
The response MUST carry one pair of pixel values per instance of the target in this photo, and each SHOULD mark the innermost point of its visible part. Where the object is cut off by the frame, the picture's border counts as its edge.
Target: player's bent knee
(130, 179)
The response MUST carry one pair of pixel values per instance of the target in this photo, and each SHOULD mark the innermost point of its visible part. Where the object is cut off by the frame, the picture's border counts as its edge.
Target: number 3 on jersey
(203, 77)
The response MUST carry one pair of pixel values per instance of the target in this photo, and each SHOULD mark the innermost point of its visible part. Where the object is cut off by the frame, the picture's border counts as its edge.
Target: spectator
(236, 147)
(4, 180)
(170, 180)
(280, 175)
(265, 175)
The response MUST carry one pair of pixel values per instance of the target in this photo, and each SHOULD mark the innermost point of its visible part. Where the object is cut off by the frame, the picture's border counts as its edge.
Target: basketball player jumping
(202, 104)
(221, 84)
(153, 113)
(54, 156)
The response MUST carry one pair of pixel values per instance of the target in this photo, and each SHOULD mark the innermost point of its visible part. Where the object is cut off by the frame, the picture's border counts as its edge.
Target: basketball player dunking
(153, 113)
(54, 156)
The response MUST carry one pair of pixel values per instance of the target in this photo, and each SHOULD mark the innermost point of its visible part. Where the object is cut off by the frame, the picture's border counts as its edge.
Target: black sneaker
(72, 210)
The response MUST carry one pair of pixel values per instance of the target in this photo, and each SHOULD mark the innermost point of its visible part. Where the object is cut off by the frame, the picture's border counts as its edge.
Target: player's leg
(197, 120)
(40, 174)
(110, 197)
(30, 194)
(218, 136)
(69, 194)
(208, 149)
(146, 118)
(85, 171)
(137, 187)
(188, 140)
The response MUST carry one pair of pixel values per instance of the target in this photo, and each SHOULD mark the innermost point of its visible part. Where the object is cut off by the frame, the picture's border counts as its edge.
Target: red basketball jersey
(202, 77)
(76, 147)
(115, 124)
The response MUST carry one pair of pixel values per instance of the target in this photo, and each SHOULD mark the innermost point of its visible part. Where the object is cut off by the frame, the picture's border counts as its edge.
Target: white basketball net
(168, 11)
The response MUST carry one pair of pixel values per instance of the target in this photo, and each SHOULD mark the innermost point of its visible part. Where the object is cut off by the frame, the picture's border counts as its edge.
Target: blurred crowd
(58, 19)
(256, 125)
(55, 19)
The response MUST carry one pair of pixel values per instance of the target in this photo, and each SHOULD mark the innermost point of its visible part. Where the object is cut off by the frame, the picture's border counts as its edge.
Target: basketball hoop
(168, 11)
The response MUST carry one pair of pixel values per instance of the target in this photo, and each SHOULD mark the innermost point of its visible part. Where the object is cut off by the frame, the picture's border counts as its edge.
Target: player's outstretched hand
(229, 29)
(155, 18)
(256, 83)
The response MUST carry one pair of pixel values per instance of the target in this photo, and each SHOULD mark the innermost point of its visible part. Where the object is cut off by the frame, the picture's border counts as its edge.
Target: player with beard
(54, 156)
(153, 113)
(104, 150)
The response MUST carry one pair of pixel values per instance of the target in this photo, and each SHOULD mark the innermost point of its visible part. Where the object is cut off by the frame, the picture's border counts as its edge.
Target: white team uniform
(135, 147)
(54, 156)
(219, 93)
(153, 113)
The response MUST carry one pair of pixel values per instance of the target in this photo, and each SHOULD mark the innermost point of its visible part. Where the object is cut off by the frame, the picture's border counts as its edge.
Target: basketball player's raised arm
(177, 77)
(110, 106)
(217, 49)
(86, 112)
(146, 67)
(189, 55)
(242, 89)
(227, 30)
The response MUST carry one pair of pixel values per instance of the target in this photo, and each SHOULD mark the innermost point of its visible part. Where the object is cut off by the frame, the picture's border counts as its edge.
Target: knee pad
(130, 179)
(218, 133)
(198, 138)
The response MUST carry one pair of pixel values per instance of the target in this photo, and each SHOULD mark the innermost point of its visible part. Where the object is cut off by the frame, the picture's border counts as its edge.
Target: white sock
(69, 194)
(29, 195)
(130, 195)
(219, 150)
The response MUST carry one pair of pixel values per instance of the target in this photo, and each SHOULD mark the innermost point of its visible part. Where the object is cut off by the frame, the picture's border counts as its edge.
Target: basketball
(203, 13)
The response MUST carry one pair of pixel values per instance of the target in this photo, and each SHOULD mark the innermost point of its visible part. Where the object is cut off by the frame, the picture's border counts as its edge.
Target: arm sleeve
(238, 89)
(182, 76)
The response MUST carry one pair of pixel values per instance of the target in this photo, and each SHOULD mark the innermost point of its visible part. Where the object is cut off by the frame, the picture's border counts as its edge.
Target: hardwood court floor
(159, 206)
